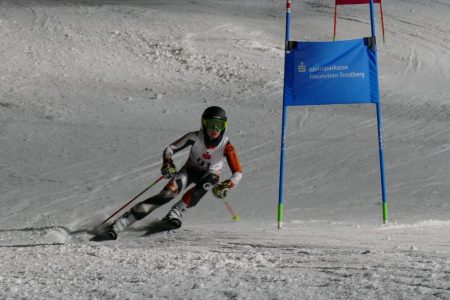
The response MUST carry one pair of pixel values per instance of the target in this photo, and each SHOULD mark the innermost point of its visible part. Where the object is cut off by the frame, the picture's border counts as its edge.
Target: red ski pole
(131, 200)
(234, 216)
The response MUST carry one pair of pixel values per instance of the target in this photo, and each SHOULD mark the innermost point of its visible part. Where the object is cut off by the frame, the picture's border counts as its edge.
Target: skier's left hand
(221, 190)
(168, 168)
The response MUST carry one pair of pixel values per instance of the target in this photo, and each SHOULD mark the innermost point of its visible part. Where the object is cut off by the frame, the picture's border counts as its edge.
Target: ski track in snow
(189, 264)
(91, 92)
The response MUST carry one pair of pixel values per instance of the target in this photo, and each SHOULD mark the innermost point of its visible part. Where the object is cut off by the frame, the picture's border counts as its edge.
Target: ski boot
(112, 232)
(120, 224)
(107, 234)
(173, 218)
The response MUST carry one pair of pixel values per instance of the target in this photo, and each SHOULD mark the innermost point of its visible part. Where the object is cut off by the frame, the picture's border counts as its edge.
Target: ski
(160, 226)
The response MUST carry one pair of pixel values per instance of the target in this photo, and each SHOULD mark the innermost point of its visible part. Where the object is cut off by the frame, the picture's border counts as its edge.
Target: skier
(209, 148)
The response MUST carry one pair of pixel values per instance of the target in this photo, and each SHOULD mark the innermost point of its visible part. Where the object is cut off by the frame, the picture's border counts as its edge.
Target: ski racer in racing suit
(209, 149)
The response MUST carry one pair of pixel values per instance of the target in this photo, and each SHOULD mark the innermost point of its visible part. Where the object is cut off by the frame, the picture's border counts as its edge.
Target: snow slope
(92, 91)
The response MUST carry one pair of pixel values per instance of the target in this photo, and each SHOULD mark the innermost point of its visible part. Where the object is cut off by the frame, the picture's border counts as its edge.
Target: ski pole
(207, 186)
(234, 216)
(131, 200)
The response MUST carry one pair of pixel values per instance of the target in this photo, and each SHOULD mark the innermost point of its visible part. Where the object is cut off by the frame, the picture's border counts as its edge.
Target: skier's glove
(221, 190)
(168, 168)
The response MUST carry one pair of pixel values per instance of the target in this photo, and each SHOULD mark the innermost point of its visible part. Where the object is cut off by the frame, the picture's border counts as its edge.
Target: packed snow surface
(91, 91)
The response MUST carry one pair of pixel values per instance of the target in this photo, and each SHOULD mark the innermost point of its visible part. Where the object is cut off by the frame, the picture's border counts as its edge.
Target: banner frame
(284, 121)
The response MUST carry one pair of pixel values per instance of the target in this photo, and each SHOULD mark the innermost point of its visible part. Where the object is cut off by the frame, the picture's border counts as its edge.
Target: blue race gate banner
(321, 73)
(341, 72)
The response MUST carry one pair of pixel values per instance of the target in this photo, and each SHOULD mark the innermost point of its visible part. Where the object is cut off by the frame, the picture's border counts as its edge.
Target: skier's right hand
(168, 168)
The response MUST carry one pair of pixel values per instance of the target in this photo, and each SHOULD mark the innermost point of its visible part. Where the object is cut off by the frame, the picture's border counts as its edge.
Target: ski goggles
(217, 124)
